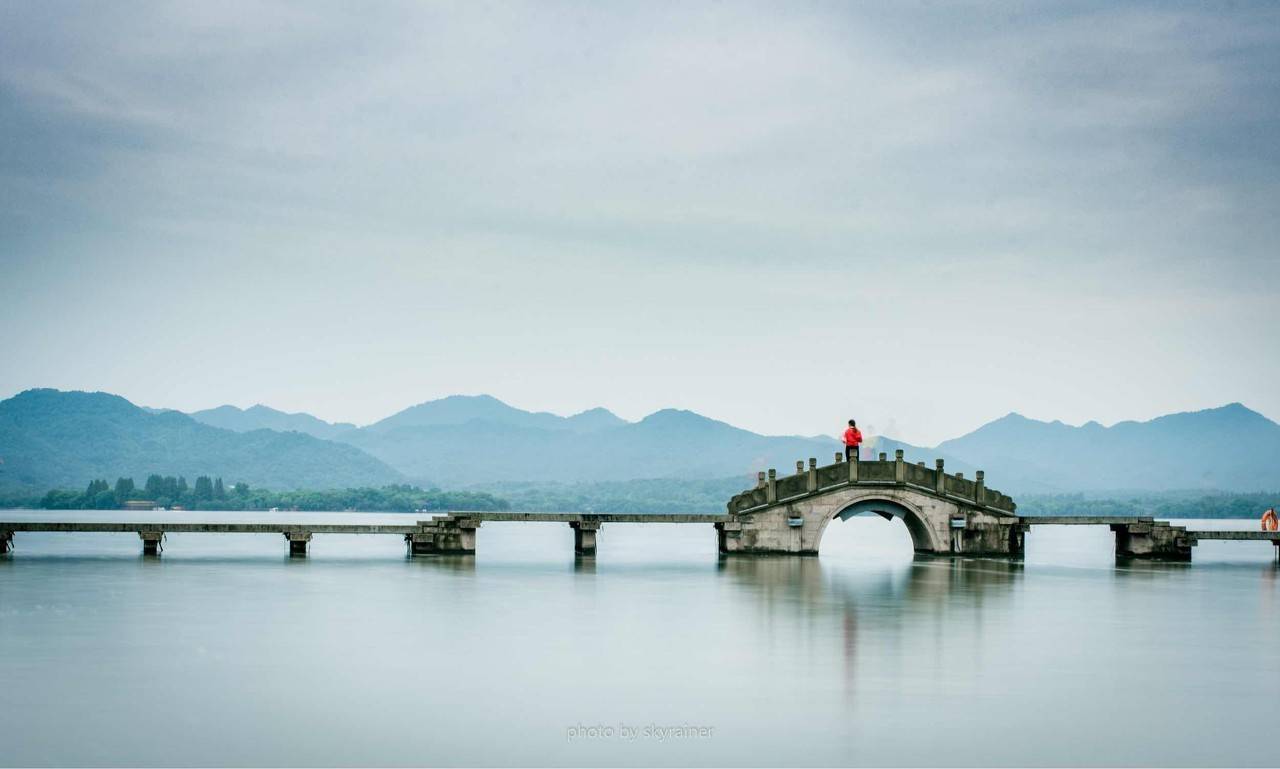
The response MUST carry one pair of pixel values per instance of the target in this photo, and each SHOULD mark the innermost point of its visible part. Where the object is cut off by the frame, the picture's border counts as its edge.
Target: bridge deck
(454, 531)
(601, 517)
(178, 527)
(1272, 536)
(1083, 520)
(206, 528)
(1102, 520)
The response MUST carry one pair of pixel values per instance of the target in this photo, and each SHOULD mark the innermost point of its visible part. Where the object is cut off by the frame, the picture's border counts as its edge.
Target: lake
(224, 651)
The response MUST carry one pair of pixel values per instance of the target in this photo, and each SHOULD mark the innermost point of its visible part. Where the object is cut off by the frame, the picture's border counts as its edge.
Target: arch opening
(921, 536)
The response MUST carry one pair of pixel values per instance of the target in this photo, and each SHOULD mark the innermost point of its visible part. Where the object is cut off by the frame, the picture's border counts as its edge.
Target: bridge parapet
(894, 472)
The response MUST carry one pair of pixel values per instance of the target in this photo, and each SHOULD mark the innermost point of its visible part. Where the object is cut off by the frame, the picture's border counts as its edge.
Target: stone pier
(151, 542)
(444, 536)
(1155, 540)
(298, 543)
(584, 536)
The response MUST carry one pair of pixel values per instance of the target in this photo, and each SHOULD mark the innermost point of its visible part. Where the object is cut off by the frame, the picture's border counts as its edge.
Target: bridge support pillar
(584, 536)
(151, 542)
(1157, 541)
(298, 543)
(446, 536)
(983, 535)
(725, 531)
(6, 542)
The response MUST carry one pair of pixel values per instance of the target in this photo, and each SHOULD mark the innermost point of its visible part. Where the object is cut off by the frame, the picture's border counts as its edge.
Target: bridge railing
(873, 472)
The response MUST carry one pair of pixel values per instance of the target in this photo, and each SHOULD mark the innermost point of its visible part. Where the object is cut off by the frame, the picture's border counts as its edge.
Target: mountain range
(51, 438)
(1228, 448)
(59, 439)
(265, 418)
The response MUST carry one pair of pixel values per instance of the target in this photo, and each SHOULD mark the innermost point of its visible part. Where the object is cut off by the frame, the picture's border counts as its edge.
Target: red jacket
(853, 437)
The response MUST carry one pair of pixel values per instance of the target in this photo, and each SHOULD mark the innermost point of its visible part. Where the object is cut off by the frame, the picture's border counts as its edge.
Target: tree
(219, 491)
(204, 488)
(155, 486)
(124, 489)
(96, 487)
(241, 489)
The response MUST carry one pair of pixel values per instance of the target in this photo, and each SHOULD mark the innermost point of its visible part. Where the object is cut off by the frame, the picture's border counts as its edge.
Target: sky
(782, 215)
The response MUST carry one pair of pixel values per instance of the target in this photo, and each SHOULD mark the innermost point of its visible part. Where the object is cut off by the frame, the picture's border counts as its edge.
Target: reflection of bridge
(946, 515)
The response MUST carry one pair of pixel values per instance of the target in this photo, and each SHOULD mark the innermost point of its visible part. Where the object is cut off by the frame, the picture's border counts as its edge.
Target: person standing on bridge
(852, 440)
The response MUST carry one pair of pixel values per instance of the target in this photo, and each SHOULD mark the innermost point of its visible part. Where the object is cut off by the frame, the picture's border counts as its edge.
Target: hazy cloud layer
(779, 215)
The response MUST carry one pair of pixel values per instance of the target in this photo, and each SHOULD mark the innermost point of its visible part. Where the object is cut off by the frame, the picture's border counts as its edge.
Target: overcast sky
(783, 215)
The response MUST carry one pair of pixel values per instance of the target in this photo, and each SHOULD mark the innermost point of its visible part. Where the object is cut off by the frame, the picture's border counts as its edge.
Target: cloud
(700, 181)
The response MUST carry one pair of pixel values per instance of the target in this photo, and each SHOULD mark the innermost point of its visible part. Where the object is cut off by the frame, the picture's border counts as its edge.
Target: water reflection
(454, 563)
(864, 656)
(876, 612)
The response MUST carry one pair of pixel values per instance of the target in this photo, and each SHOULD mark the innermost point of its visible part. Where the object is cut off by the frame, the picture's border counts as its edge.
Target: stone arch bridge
(946, 514)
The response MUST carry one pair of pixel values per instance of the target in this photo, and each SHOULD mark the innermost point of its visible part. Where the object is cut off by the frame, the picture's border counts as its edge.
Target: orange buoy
(1269, 521)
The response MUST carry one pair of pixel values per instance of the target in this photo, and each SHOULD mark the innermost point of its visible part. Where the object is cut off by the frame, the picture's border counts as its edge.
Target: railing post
(899, 468)
(839, 457)
(760, 480)
(979, 489)
(853, 467)
(884, 457)
(771, 488)
(799, 467)
(942, 479)
(812, 480)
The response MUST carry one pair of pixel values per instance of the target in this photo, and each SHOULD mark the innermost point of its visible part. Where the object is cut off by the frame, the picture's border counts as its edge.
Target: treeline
(710, 496)
(161, 491)
(1170, 505)
(663, 495)
(212, 494)
(637, 496)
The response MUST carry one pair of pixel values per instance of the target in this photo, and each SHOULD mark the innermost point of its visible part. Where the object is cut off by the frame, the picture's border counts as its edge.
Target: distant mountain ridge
(261, 417)
(1228, 448)
(461, 409)
(50, 438)
(493, 447)
(478, 442)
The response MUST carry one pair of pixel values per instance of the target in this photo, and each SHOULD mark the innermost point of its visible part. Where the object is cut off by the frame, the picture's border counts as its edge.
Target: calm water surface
(226, 652)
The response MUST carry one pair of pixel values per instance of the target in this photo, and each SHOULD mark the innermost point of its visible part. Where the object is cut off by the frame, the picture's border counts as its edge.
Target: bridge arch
(944, 514)
(923, 538)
